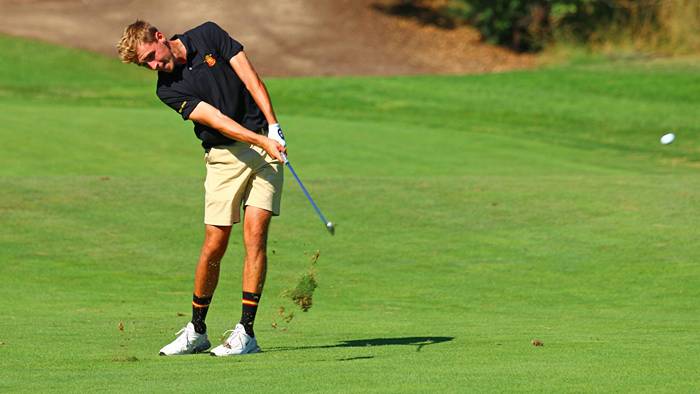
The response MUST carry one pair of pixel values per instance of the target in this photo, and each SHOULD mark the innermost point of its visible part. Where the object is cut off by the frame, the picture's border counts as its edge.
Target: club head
(331, 228)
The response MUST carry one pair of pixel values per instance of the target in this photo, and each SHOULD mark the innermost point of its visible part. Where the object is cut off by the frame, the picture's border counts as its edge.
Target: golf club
(329, 226)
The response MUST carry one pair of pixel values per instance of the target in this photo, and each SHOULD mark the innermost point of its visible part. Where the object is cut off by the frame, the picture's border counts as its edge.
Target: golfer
(205, 76)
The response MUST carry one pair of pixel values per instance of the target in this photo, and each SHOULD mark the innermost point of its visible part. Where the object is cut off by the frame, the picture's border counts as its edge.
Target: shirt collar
(191, 49)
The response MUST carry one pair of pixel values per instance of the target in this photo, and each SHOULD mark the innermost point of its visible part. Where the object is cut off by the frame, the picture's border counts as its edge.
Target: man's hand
(274, 131)
(273, 148)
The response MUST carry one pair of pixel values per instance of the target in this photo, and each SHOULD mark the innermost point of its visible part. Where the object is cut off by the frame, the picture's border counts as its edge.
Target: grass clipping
(301, 295)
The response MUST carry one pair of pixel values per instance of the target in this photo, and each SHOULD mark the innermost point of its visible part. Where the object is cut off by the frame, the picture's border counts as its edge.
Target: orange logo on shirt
(211, 62)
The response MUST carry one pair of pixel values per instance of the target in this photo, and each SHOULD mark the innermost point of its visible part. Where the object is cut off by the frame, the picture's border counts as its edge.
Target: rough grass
(476, 214)
(662, 27)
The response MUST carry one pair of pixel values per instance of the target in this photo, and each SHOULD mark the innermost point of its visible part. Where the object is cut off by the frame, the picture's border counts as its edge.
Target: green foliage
(529, 25)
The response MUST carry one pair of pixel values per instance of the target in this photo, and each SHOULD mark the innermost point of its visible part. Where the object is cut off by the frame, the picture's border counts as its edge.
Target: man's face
(156, 55)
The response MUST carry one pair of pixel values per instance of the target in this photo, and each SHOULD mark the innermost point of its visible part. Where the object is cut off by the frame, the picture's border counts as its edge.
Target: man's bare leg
(193, 338)
(206, 275)
(255, 226)
(242, 339)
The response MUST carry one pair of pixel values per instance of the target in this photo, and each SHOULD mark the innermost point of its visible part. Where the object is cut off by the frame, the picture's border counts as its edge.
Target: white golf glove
(274, 131)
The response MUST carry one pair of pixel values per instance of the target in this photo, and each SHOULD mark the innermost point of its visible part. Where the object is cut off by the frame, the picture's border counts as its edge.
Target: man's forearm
(262, 99)
(232, 129)
(212, 117)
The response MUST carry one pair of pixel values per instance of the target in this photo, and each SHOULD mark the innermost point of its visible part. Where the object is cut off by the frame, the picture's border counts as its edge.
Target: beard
(168, 60)
(168, 65)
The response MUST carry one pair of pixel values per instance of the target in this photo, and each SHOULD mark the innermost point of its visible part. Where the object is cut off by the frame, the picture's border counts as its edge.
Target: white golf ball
(667, 138)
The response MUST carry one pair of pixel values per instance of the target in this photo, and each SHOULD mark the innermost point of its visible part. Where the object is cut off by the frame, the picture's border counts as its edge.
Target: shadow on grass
(418, 342)
(356, 358)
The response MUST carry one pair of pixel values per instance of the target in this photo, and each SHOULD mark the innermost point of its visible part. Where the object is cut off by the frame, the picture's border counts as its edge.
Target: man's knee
(216, 240)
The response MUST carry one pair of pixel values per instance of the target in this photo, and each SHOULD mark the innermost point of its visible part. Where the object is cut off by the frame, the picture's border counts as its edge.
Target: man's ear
(159, 36)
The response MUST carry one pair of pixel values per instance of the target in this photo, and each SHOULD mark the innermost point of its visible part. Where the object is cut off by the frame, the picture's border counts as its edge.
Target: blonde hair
(139, 32)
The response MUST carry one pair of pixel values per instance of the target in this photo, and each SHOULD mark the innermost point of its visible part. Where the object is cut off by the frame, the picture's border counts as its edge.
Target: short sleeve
(227, 46)
(177, 99)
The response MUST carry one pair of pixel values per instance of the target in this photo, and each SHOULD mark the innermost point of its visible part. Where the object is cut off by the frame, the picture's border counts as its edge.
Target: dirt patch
(283, 37)
(127, 359)
(301, 295)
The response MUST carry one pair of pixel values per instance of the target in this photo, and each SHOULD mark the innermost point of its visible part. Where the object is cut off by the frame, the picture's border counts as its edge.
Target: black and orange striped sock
(200, 307)
(250, 308)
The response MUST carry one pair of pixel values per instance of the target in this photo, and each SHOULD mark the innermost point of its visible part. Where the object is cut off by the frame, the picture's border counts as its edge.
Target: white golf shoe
(239, 342)
(187, 342)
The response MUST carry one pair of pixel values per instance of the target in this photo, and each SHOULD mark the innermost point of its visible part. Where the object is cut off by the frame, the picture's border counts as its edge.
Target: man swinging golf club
(205, 76)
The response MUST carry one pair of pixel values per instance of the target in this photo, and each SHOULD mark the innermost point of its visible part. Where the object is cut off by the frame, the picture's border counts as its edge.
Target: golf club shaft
(306, 192)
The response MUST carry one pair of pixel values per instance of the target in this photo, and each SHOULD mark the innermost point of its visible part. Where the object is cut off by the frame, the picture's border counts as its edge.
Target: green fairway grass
(474, 214)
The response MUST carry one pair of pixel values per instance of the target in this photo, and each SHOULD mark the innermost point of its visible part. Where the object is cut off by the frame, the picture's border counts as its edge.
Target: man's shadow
(418, 342)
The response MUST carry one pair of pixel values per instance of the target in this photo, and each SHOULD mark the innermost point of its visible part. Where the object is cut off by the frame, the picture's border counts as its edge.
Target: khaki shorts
(240, 174)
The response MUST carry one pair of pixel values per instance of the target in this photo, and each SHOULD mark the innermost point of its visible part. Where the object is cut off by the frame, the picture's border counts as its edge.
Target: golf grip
(306, 192)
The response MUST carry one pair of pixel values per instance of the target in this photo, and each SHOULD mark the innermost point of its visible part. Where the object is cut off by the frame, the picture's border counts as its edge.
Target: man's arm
(208, 115)
(242, 66)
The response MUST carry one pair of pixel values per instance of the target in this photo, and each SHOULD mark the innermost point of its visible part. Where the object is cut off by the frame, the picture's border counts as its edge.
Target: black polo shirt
(208, 76)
